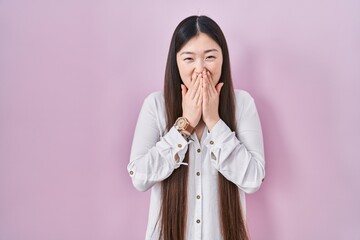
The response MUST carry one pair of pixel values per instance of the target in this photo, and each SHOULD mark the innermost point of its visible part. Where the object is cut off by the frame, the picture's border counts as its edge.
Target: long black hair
(174, 188)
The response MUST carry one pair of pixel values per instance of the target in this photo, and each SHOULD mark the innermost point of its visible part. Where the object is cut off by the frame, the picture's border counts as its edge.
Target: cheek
(185, 74)
(216, 79)
(215, 72)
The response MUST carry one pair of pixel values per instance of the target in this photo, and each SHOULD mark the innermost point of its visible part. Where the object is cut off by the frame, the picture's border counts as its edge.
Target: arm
(154, 157)
(240, 160)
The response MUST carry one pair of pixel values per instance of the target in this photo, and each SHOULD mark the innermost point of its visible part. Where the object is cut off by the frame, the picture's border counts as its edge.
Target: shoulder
(154, 105)
(243, 98)
(239, 93)
(155, 99)
(244, 103)
(155, 96)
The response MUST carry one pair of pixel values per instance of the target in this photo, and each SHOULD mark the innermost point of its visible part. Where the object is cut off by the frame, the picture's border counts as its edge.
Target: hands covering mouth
(201, 99)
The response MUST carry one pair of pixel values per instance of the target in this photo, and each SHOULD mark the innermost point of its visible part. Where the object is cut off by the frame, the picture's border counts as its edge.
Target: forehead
(199, 44)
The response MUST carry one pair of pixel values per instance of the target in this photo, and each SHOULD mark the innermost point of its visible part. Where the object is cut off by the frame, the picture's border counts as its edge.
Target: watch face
(181, 123)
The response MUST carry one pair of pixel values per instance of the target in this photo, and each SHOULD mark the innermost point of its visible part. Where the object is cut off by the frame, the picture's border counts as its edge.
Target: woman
(198, 145)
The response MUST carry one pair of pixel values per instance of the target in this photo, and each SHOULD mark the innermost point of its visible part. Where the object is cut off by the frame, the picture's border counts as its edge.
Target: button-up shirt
(238, 156)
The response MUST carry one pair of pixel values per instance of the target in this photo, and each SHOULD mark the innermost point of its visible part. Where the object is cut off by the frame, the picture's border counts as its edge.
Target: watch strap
(189, 128)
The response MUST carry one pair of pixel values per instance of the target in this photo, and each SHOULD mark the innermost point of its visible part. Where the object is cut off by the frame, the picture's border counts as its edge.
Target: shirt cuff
(215, 140)
(179, 146)
(218, 134)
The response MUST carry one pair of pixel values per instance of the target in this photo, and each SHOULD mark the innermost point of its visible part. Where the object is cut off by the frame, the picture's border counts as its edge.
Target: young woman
(198, 144)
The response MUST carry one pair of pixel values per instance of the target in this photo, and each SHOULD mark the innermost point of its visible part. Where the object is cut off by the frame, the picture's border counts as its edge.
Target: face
(198, 54)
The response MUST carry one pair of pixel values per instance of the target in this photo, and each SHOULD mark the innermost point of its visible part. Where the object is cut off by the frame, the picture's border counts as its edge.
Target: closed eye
(210, 57)
(188, 59)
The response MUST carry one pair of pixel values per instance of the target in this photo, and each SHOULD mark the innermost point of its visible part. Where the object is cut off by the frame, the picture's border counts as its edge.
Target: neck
(200, 129)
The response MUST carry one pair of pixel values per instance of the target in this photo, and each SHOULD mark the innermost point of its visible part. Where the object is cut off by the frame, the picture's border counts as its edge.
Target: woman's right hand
(192, 100)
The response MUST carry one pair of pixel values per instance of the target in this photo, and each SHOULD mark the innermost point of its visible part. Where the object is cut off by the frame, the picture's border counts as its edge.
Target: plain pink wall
(73, 75)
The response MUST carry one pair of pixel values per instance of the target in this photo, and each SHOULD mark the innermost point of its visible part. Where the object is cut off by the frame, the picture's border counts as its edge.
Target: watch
(183, 125)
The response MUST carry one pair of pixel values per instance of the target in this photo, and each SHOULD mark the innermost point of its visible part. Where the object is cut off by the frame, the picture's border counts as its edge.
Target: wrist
(191, 121)
(211, 123)
(186, 135)
(183, 126)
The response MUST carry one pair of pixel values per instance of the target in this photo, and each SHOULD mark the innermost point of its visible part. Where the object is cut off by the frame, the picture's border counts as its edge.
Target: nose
(199, 66)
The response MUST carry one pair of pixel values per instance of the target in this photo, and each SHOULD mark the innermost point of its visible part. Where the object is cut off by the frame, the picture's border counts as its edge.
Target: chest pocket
(207, 165)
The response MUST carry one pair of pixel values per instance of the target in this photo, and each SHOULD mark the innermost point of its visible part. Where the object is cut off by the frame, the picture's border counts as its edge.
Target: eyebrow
(207, 51)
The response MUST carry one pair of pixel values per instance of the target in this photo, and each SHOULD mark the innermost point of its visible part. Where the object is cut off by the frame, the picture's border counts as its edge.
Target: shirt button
(179, 145)
(198, 173)
(131, 172)
(211, 142)
(198, 196)
(199, 150)
(198, 221)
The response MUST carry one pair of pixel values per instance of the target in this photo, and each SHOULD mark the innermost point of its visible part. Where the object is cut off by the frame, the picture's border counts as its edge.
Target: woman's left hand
(211, 93)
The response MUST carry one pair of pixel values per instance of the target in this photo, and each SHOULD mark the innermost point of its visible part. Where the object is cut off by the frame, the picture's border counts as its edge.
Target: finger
(195, 88)
(209, 86)
(219, 87)
(183, 90)
(206, 83)
(212, 89)
(204, 73)
(200, 100)
(192, 83)
(210, 77)
(199, 90)
(193, 77)
(206, 91)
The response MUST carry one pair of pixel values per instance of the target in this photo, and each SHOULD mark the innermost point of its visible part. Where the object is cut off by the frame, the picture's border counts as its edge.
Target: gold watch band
(183, 126)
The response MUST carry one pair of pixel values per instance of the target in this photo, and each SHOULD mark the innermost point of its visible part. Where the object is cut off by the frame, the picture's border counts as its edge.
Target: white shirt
(238, 157)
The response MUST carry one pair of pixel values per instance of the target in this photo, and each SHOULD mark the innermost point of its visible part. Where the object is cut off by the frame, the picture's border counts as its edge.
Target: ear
(219, 87)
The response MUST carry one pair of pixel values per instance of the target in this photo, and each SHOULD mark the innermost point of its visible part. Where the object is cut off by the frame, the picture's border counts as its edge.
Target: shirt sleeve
(154, 157)
(240, 159)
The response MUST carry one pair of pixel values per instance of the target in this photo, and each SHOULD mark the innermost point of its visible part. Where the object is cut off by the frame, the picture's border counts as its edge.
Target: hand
(210, 103)
(192, 100)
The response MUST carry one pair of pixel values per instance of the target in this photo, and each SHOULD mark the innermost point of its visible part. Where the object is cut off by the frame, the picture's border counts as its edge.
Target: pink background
(73, 76)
